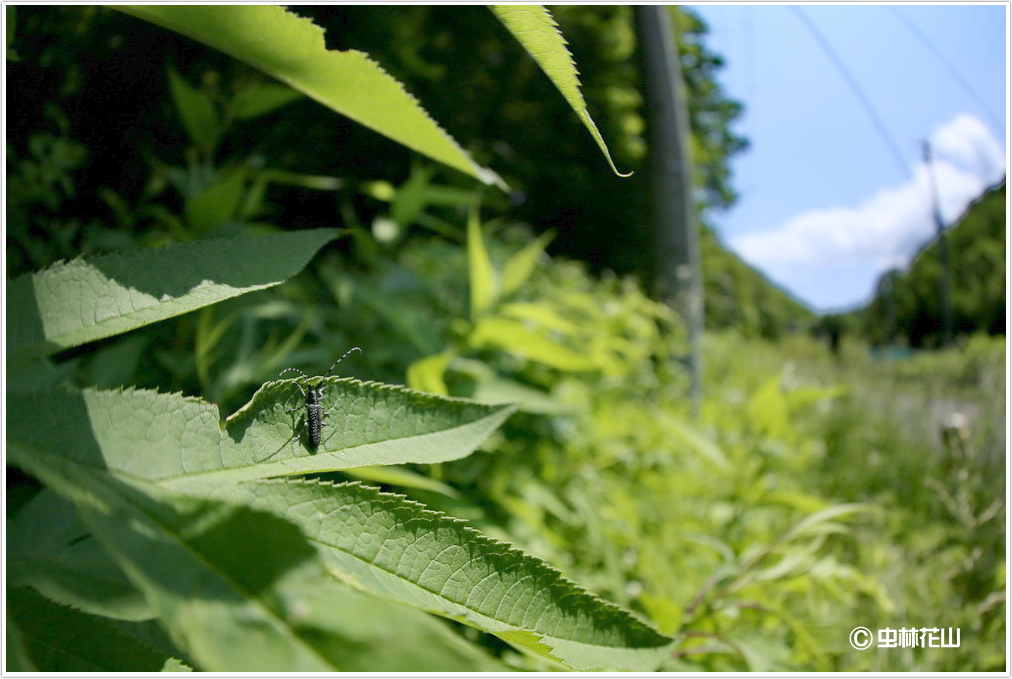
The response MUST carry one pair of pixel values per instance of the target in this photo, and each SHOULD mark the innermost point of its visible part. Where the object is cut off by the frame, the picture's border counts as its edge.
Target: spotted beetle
(314, 409)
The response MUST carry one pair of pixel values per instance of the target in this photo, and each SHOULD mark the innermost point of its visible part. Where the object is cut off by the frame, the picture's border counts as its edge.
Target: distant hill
(907, 304)
(738, 296)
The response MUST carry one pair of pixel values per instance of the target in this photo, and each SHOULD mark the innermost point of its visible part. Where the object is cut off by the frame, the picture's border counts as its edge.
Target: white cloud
(886, 229)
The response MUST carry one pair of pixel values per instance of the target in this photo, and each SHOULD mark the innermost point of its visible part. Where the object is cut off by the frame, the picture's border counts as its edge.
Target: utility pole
(676, 271)
(943, 249)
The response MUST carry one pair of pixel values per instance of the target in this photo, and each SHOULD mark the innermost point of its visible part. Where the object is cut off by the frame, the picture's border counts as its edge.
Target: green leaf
(410, 198)
(695, 440)
(218, 202)
(49, 549)
(426, 374)
(492, 388)
(528, 399)
(179, 441)
(17, 658)
(196, 111)
(535, 29)
(516, 338)
(392, 475)
(292, 49)
(258, 99)
(85, 299)
(480, 272)
(814, 523)
(241, 590)
(520, 266)
(397, 549)
(544, 315)
(60, 639)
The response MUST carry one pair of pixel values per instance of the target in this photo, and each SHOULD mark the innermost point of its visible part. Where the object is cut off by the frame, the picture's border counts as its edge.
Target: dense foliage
(908, 304)
(473, 78)
(739, 297)
(752, 538)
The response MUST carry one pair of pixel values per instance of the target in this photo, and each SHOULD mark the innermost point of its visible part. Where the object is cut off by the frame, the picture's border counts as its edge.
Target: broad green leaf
(218, 202)
(426, 374)
(51, 550)
(493, 388)
(60, 639)
(239, 589)
(397, 549)
(481, 275)
(520, 266)
(516, 338)
(196, 111)
(498, 389)
(179, 441)
(410, 199)
(544, 315)
(85, 299)
(259, 99)
(535, 29)
(292, 49)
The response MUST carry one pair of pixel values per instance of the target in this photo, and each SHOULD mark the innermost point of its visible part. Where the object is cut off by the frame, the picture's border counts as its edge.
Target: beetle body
(314, 423)
(314, 418)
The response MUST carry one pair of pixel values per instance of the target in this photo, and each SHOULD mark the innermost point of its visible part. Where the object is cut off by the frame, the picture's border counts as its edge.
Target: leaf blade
(520, 266)
(58, 638)
(434, 562)
(49, 549)
(127, 431)
(240, 589)
(85, 299)
(535, 29)
(481, 274)
(292, 49)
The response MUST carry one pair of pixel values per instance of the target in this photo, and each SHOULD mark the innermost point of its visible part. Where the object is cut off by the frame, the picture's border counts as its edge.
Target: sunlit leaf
(395, 548)
(89, 298)
(240, 589)
(481, 275)
(517, 338)
(179, 441)
(292, 49)
(259, 99)
(519, 267)
(535, 29)
(426, 374)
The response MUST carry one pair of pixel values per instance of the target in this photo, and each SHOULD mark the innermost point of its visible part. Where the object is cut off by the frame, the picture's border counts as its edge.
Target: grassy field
(922, 440)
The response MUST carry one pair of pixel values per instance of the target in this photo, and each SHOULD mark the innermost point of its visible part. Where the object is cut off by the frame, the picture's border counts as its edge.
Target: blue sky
(826, 203)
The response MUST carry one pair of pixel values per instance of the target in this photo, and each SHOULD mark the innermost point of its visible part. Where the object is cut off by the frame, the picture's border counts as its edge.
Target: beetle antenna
(341, 359)
(292, 370)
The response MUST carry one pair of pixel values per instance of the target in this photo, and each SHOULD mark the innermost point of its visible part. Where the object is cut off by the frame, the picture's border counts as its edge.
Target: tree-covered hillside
(907, 307)
(739, 297)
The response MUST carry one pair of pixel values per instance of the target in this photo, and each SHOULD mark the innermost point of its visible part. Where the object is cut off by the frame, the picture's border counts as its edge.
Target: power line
(948, 66)
(858, 91)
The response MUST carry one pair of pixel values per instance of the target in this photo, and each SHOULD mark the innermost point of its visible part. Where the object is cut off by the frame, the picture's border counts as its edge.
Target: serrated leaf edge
(496, 547)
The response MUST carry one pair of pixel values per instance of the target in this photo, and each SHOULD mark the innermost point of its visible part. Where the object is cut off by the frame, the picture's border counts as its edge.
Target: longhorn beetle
(314, 411)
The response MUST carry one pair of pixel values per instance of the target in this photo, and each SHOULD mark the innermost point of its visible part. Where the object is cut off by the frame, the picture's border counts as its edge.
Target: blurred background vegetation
(122, 135)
